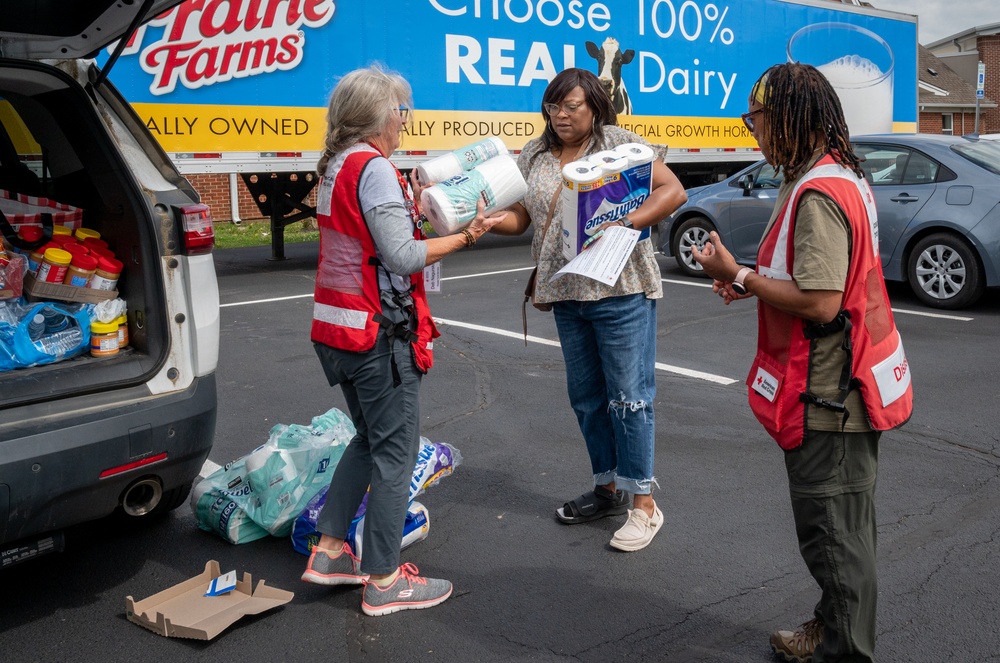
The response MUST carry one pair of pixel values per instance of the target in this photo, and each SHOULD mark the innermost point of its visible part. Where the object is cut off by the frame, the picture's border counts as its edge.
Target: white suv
(83, 438)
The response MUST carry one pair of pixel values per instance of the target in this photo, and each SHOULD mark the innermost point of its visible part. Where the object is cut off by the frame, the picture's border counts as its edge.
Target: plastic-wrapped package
(272, 485)
(66, 333)
(434, 462)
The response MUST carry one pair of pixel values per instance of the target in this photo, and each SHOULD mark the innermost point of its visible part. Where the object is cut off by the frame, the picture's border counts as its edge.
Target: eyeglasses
(404, 111)
(569, 109)
(748, 118)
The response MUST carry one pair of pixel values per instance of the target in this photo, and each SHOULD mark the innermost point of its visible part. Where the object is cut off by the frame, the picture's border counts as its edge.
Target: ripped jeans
(609, 347)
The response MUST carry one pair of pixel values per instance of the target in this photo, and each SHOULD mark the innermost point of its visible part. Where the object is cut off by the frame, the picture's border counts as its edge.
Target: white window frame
(948, 123)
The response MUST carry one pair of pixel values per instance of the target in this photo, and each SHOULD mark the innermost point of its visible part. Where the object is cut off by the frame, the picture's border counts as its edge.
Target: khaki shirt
(822, 258)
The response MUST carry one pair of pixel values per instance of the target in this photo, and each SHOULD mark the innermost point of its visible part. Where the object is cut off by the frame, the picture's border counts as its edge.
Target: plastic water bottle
(62, 342)
(36, 327)
(55, 321)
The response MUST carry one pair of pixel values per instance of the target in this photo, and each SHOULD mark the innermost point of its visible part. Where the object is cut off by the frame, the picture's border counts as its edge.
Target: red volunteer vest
(778, 379)
(347, 303)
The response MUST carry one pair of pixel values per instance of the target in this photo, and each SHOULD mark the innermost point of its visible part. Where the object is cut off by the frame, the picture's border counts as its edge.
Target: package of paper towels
(603, 188)
(459, 161)
(451, 205)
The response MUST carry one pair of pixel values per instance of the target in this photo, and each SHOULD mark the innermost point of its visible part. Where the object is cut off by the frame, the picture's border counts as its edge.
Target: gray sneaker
(408, 592)
(340, 570)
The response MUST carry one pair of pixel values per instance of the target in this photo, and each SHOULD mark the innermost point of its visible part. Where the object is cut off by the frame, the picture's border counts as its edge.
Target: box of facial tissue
(603, 188)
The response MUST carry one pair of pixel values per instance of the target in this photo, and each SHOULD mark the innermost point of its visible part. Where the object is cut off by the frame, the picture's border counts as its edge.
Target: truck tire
(945, 272)
(693, 232)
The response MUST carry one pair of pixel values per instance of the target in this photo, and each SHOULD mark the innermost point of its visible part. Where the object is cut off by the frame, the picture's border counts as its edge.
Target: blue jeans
(609, 347)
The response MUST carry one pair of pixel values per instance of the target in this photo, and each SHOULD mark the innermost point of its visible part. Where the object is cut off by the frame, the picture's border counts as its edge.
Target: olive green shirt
(822, 258)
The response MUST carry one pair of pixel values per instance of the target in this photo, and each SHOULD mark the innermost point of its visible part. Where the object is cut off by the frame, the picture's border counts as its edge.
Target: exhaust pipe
(142, 496)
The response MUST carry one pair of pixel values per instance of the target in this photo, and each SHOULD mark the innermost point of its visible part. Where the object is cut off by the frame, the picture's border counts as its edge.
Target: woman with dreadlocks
(830, 372)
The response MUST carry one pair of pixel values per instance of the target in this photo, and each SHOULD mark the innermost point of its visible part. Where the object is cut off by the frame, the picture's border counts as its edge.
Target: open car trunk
(50, 148)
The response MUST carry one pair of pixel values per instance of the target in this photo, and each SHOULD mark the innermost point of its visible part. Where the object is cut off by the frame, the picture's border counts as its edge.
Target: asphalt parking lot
(723, 573)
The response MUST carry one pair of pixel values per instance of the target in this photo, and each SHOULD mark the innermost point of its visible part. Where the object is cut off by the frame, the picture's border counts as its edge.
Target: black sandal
(598, 503)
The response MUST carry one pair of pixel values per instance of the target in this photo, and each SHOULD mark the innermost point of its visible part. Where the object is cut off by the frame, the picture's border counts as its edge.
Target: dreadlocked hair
(800, 105)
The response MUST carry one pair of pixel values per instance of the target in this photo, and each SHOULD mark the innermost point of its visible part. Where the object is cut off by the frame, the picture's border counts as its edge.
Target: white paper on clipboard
(606, 257)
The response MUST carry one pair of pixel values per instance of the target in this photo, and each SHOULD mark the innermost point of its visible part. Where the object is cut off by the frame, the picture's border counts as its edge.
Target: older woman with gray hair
(373, 332)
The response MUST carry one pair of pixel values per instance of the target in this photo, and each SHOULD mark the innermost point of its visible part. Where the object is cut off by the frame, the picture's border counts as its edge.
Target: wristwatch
(626, 222)
(737, 283)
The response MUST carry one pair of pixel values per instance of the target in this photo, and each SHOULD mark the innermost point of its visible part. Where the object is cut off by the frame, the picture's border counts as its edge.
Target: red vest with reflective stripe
(780, 372)
(347, 296)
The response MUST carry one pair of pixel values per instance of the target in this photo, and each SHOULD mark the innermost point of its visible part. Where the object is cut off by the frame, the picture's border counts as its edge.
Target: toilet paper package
(451, 205)
(455, 163)
(603, 188)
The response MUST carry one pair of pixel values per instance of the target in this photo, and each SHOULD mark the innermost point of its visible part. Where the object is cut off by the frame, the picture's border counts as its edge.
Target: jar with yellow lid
(103, 339)
(83, 233)
(54, 265)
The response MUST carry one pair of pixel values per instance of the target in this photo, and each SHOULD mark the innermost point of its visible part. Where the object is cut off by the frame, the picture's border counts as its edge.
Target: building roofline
(979, 31)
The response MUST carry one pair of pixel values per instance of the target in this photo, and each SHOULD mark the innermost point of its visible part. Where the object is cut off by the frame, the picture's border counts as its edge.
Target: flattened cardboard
(65, 293)
(183, 611)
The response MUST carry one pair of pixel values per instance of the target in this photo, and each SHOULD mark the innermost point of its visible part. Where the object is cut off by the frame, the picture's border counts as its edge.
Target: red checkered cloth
(22, 210)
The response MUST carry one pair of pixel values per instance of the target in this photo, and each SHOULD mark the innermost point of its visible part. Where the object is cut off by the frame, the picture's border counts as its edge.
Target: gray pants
(383, 452)
(831, 478)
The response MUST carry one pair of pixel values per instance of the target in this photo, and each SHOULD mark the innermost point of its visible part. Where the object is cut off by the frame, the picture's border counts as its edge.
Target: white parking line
(502, 271)
(686, 372)
(265, 301)
(940, 316)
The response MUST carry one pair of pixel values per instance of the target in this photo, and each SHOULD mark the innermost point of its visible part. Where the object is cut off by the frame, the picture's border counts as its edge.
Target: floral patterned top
(641, 273)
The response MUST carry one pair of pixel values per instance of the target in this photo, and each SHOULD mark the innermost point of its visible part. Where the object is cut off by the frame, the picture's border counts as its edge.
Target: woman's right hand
(482, 223)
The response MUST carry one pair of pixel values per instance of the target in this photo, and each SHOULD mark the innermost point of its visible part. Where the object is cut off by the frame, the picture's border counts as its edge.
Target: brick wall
(214, 192)
(962, 123)
(989, 54)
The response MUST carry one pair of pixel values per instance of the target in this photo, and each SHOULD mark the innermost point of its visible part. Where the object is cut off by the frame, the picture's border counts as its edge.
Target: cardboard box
(183, 611)
(65, 293)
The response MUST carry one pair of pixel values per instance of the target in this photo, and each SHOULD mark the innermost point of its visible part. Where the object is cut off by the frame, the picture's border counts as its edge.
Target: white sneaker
(638, 531)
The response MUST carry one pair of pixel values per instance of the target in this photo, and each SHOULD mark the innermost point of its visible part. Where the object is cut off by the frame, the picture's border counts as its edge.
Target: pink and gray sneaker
(324, 569)
(408, 592)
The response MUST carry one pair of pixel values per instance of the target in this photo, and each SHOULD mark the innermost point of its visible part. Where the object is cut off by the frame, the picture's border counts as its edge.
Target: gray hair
(361, 105)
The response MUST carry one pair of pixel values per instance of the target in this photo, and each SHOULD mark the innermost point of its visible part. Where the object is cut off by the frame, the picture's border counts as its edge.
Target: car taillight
(197, 229)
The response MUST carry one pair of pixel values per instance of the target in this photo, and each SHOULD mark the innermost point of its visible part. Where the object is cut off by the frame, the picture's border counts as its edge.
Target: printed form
(605, 258)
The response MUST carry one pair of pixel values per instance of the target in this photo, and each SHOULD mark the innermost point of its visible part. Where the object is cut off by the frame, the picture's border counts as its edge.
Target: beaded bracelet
(470, 240)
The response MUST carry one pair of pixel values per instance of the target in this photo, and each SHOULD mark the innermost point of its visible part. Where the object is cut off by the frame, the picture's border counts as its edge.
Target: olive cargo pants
(831, 479)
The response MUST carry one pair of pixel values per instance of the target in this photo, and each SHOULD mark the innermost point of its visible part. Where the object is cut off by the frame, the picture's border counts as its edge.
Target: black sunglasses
(748, 118)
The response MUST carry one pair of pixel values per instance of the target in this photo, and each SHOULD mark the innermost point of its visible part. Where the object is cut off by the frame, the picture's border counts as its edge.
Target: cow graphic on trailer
(610, 60)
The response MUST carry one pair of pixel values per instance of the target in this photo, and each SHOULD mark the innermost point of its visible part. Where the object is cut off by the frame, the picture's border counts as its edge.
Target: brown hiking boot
(798, 646)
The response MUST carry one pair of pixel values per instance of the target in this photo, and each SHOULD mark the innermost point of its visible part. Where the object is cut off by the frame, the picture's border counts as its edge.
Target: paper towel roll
(451, 205)
(636, 153)
(455, 163)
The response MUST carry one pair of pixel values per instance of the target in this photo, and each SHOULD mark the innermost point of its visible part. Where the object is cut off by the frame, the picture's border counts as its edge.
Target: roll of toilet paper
(451, 205)
(636, 153)
(582, 172)
(609, 161)
(455, 163)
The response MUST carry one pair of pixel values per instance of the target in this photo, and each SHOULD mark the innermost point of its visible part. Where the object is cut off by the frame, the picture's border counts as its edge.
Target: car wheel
(945, 272)
(691, 233)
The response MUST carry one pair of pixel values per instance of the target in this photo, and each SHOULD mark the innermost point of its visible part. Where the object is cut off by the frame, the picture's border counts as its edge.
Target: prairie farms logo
(211, 41)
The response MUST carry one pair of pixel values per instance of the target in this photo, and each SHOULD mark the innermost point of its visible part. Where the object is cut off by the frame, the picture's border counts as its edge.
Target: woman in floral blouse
(607, 333)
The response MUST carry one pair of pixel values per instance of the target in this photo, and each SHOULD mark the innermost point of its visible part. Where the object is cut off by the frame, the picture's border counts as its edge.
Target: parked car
(85, 437)
(938, 200)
